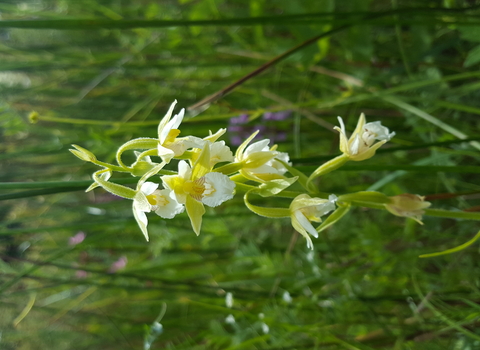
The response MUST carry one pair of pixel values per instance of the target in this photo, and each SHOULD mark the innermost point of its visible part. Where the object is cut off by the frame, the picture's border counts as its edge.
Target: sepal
(334, 217)
(274, 187)
(116, 189)
(302, 178)
(83, 154)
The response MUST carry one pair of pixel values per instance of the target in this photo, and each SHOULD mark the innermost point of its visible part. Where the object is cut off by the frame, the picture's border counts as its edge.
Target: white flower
(148, 199)
(265, 328)
(259, 161)
(169, 145)
(229, 300)
(361, 145)
(305, 209)
(230, 319)
(219, 152)
(197, 186)
(287, 297)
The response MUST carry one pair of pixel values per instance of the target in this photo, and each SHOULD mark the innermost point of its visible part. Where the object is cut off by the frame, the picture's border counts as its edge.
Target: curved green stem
(140, 143)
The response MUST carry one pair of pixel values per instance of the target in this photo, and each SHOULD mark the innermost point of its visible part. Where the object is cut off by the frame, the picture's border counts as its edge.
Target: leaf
(473, 57)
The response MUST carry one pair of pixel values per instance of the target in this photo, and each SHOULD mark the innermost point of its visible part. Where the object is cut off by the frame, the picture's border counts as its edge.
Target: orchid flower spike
(305, 209)
(361, 144)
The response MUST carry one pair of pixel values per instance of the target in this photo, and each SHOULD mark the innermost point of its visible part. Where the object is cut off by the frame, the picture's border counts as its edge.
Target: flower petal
(223, 189)
(214, 137)
(162, 130)
(165, 153)
(259, 146)
(303, 221)
(172, 206)
(360, 125)
(148, 187)
(195, 211)
(141, 219)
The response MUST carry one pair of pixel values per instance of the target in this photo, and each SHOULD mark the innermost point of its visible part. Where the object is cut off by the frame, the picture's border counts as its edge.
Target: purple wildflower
(282, 115)
(118, 265)
(78, 238)
(241, 119)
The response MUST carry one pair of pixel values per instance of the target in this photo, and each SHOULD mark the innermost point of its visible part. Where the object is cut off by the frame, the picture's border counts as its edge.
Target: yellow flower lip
(172, 135)
(195, 188)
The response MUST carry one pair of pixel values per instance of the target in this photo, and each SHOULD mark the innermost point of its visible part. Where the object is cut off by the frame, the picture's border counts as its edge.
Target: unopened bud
(408, 205)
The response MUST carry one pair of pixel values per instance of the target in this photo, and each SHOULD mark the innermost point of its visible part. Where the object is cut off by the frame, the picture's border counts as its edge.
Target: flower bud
(408, 205)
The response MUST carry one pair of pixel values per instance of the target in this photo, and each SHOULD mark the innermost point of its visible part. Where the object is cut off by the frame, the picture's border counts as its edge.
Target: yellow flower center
(152, 199)
(157, 200)
(172, 135)
(195, 188)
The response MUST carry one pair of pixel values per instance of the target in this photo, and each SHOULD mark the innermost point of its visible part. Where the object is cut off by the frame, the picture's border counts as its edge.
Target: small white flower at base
(265, 328)
(229, 300)
(326, 303)
(230, 319)
(286, 297)
(361, 145)
(305, 209)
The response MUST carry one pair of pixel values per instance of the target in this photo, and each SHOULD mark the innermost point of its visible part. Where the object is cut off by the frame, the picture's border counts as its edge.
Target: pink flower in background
(118, 265)
(78, 238)
(81, 274)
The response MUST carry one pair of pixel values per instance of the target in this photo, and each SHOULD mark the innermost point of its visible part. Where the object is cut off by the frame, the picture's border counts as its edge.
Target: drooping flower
(169, 145)
(259, 162)
(197, 186)
(148, 199)
(408, 205)
(305, 209)
(361, 144)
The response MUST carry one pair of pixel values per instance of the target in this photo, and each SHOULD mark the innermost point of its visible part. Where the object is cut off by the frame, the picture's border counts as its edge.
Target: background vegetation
(99, 73)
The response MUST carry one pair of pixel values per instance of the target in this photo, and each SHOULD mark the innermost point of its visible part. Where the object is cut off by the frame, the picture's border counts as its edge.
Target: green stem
(328, 167)
(111, 166)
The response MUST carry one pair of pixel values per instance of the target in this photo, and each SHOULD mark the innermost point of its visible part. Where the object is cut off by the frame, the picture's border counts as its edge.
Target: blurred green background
(99, 73)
